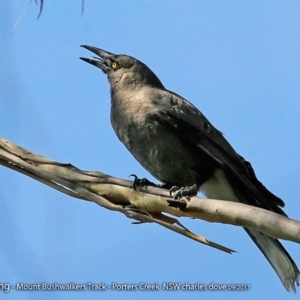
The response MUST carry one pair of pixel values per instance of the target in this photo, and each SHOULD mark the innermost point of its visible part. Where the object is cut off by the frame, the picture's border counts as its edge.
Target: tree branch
(149, 203)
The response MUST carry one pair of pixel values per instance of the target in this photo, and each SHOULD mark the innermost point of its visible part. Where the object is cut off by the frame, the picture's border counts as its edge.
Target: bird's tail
(278, 257)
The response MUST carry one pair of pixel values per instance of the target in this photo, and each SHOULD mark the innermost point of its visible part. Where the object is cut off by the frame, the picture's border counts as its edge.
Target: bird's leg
(183, 192)
(141, 182)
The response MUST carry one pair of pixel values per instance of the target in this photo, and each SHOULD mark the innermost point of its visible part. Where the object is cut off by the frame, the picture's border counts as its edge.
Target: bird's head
(122, 70)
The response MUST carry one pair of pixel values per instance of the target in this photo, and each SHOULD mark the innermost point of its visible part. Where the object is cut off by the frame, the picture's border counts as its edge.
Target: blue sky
(237, 61)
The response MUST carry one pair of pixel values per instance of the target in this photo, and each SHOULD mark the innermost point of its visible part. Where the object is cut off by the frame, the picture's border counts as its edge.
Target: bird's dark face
(121, 69)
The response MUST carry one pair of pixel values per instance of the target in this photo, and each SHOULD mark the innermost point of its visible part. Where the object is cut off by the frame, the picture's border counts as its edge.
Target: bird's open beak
(103, 61)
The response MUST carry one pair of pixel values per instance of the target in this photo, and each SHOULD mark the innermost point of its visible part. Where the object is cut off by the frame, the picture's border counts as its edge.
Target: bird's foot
(138, 182)
(181, 195)
(188, 191)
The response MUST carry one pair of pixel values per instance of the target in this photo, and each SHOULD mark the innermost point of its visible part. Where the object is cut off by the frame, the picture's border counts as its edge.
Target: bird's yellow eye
(114, 65)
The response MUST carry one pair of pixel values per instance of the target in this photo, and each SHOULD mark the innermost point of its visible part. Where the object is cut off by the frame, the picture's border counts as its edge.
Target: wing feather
(192, 126)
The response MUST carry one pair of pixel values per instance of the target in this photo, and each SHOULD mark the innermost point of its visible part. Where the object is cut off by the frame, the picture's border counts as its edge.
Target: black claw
(134, 185)
(133, 175)
(141, 182)
(181, 204)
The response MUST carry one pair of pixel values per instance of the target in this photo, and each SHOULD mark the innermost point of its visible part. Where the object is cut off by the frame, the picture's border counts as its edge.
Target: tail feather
(220, 186)
(279, 259)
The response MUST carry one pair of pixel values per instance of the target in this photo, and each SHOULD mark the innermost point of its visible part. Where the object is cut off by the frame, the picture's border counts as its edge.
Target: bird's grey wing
(184, 118)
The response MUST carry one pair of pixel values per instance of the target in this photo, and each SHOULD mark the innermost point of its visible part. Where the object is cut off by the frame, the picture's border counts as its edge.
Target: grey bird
(175, 142)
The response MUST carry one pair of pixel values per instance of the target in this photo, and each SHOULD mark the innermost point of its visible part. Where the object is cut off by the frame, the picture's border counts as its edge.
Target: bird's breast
(158, 148)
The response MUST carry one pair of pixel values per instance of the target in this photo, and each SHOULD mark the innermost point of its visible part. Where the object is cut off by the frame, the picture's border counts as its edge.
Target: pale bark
(148, 204)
